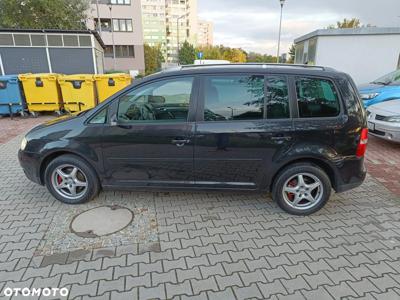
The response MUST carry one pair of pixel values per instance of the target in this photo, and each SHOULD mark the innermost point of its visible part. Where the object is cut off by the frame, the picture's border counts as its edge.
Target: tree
(351, 23)
(292, 54)
(210, 52)
(234, 55)
(187, 54)
(153, 58)
(260, 58)
(44, 14)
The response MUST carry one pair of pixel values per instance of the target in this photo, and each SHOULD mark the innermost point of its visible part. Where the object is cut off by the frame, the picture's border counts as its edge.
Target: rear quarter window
(316, 98)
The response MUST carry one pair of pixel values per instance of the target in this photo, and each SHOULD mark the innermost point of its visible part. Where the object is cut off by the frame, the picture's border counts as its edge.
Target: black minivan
(295, 131)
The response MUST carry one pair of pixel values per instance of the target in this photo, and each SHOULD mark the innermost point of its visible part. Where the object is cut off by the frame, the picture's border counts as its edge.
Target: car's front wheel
(71, 180)
(302, 189)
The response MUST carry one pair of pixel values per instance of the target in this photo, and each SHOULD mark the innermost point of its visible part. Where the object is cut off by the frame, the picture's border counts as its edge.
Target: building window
(85, 41)
(105, 24)
(121, 2)
(38, 39)
(120, 51)
(108, 51)
(22, 40)
(70, 40)
(54, 40)
(6, 40)
(122, 25)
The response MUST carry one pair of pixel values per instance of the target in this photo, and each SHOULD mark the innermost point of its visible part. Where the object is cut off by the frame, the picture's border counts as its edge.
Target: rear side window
(317, 98)
(234, 97)
(277, 98)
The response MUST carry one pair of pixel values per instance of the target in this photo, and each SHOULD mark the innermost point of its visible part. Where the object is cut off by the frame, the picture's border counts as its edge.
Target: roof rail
(256, 64)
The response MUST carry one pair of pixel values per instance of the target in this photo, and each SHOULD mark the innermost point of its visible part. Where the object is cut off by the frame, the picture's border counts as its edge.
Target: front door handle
(180, 142)
(124, 126)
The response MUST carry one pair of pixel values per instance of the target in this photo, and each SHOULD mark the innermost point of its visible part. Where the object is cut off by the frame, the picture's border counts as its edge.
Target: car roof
(247, 68)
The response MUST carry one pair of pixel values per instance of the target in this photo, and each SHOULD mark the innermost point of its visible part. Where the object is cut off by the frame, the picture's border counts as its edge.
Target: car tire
(67, 174)
(301, 189)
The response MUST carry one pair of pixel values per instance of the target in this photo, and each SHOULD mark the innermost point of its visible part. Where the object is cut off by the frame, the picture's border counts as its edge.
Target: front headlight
(23, 144)
(369, 96)
(392, 119)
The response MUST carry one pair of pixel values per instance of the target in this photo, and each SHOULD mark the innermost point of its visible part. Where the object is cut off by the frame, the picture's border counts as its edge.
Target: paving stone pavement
(210, 246)
(383, 162)
(11, 128)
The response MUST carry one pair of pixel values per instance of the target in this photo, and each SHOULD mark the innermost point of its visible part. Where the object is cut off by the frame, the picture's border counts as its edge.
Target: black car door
(244, 122)
(149, 140)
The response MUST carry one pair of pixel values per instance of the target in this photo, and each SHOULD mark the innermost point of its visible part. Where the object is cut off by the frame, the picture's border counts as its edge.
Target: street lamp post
(98, 17)
(112, 37)
(280, 31)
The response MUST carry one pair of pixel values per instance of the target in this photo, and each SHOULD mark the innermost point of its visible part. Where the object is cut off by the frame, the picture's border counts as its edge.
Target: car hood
(376, 88)
(390, 108)
(59, 120)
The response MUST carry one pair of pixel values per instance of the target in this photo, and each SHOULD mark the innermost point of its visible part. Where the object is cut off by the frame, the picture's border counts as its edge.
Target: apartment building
(205, 33)
(119, 23)
(181, 25)
(154, 23)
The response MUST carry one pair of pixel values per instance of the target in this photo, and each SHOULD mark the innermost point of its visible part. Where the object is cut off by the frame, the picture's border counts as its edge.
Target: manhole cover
(101, 221)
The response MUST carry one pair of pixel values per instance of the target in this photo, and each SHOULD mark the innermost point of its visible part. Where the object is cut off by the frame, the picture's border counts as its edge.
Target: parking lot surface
(201, 245)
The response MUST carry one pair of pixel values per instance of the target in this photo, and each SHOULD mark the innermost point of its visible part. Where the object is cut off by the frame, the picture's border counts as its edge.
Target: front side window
(100, 117)
(166, 101)
(316, 98)
(234, 98)
(277, 98)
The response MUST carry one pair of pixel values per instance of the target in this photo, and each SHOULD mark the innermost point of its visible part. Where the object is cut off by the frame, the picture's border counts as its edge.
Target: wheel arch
(316, 161)
(53, 155)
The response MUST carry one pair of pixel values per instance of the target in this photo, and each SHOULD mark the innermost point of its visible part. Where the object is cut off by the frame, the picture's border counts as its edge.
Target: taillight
(362, 144)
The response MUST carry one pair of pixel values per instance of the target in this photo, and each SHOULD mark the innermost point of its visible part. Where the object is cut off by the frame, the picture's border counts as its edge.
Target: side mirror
(114, 122)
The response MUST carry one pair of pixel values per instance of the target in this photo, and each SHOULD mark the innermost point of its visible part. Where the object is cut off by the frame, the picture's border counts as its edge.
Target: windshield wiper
(380, 82)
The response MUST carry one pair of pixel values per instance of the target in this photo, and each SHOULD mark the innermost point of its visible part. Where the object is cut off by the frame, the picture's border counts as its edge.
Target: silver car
(384, 120)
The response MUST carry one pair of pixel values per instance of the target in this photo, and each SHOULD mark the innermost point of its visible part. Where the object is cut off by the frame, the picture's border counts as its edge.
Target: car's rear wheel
(71, 180)
(302, 189)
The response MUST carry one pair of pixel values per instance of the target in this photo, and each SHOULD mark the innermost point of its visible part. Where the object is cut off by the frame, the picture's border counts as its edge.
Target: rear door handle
(281, 137)
(180, 142)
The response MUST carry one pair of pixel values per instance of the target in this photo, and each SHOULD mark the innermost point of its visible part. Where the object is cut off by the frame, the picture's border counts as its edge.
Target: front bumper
(385, 130)
(30, 163)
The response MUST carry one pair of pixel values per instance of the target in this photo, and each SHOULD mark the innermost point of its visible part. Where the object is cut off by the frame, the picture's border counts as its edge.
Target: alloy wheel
(69, 181)
(303, 191)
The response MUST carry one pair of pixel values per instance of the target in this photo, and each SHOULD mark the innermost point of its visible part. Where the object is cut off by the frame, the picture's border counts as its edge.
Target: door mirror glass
(166, 101)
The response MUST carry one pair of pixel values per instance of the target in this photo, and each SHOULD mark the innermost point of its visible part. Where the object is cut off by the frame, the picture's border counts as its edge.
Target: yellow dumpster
(42, 92)
(78, 92)
(109, 84)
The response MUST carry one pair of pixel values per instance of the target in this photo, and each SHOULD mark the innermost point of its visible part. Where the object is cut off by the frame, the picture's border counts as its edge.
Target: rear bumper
(350, 174)
(30, 163)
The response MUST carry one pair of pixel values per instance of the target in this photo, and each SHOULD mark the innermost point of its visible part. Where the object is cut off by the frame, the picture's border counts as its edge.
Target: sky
(253, 24)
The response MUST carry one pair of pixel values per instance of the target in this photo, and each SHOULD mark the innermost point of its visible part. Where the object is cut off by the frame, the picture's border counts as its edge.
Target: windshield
(388, 78)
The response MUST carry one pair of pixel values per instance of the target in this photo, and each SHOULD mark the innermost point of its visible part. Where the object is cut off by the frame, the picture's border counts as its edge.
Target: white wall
(364, 57)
